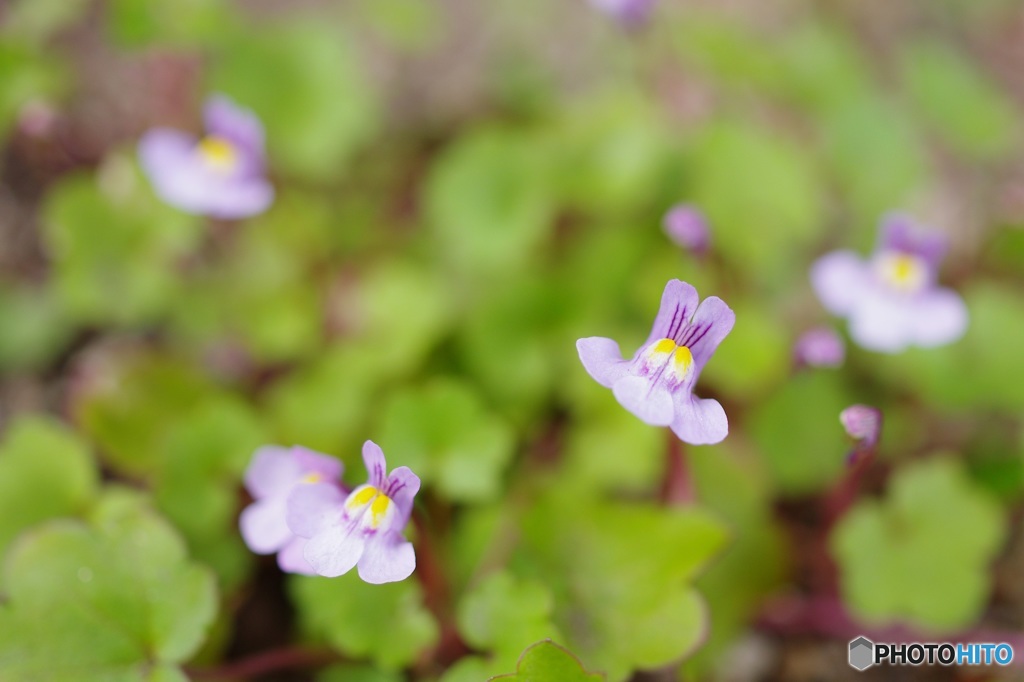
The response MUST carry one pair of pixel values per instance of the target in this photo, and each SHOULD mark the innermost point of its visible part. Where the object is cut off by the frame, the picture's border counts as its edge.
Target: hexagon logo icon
(862, 653)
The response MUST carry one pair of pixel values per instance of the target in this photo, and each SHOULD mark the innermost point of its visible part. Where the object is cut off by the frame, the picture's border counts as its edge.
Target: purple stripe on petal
(376, 464)
(678, 303)
(402, 486)
(710, 325)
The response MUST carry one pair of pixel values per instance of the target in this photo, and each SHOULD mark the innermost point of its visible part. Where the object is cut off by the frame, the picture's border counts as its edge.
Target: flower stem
(677, 488)
(266, 662)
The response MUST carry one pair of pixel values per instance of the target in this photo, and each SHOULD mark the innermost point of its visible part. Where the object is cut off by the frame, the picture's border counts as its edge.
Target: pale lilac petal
(237, 198)
(292, 559)
(335, 550)
(387, 559)
(376, 465)
(699, 422)
(901, 232)
(402, 486)
(312, 506)
(226, 119)
(686, 227)
(862, 423)
(882, 321)
(651, 403)
(602, 359)
(169, 160)
(939, 317)
(630, 13)
(313, 462)
(273, 471)
(819, 347)
(678, 304)
(710, 324)
(838, 279)
(263, 525)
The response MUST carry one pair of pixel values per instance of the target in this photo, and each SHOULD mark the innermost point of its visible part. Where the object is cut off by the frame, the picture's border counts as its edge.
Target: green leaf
(46, 471)
(603, 560)
(387, 624)
(799, 433)
(762, 195)
(134, 23)
(35, 327)
(547, 662)
(105, 601)
(488, 200)
(895, 554)
(361, 673)
(970, 112)
(444, 433)
(37, 20)
(111, 240)
(503, 614)
(755, 357)
(27, 74)
(303, 80)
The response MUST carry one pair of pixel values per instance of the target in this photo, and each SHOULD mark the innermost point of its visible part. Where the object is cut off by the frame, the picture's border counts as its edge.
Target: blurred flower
(657, 384)
(629, 13)
(271, 477)
(686, 226)
(863, 423)
(364, 528)
(221, 175)
(37, 118)
(819, 347)
(892, 301)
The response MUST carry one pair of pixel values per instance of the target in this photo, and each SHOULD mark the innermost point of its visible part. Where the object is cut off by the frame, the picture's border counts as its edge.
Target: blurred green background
(463, 190)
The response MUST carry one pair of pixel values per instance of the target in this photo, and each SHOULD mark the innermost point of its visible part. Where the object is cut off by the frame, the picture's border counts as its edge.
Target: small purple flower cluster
(302, 511)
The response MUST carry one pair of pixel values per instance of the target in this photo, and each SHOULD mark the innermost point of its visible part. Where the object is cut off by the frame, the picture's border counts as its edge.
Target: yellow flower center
(379, 505)
(218, 153)
(681, 357)
(902, 271)
(312, 477)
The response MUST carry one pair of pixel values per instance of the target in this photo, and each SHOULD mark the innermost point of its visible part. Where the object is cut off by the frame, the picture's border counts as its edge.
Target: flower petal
(292, 560)
(263, 525)
(226, 119)
(238, 198)
(387, 559)
(699, 422)
(939, 317)
(678, 304)
(900, 232)
(881, 321)
(838, 278)
(711, 323)
(312, 506)
(335, 550)
(649, 401)
(273, 471)
(402, 486)
(602, 359)
(376, 464)
(313, 462)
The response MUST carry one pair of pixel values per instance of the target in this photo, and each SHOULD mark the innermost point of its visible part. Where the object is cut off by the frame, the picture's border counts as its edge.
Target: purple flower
(221, 175)
(863, 423)
(819, 347)
(629, 13)
(686, 226)
(657, 383)
(892, 301)
(271, 477)
(361, 529)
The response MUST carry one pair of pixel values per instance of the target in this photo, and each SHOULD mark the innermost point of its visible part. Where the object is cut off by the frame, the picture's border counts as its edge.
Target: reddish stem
(266, 662)
(677, 487)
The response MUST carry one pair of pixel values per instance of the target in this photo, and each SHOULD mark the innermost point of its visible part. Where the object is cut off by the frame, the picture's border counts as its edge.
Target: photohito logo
(864, 653)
